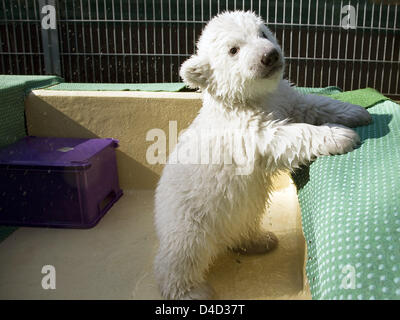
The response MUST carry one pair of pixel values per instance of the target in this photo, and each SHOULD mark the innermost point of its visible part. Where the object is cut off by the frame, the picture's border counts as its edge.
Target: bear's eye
(264, 35)
(233, 51)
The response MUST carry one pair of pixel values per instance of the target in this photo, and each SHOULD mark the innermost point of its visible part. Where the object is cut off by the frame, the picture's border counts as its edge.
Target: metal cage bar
(147, 40)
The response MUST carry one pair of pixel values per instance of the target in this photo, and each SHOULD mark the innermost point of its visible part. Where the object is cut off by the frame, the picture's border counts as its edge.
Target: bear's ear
(195, 72)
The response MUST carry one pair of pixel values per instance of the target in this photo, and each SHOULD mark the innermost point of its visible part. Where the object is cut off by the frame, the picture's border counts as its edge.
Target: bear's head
(238, 59)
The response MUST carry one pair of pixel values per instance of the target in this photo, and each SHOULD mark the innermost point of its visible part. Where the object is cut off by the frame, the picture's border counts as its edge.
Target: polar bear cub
(213, 190)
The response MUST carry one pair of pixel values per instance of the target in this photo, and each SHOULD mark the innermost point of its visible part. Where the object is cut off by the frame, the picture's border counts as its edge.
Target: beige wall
(126, 116)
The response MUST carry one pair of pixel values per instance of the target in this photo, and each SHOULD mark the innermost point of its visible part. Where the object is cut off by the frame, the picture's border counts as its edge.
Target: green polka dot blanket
(13, 90)
(350, 206)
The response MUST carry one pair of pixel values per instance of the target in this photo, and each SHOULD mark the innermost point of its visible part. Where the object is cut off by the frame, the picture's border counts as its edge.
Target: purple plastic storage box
(57, 182)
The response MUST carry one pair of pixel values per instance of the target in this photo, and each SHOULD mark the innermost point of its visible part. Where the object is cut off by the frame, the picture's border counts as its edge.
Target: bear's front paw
(355, 116)
(342, 139)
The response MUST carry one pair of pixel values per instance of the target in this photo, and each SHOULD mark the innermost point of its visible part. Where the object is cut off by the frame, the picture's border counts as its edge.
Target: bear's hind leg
(261, 242)
(180, 270)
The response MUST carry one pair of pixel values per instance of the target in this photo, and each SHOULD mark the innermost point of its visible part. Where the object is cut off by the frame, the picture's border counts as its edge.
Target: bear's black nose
(270, 58)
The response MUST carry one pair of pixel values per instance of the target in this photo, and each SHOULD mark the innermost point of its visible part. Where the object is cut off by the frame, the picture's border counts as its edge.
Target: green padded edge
(366, 98)
(6, 231)
(30, 82)
(320, 91)
(357, 224)
(13, 90)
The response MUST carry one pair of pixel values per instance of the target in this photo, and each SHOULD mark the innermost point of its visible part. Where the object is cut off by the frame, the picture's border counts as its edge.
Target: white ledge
(123, 94)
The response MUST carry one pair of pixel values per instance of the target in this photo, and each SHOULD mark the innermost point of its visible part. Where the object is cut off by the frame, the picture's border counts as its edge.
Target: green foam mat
(13, 90)
(12, 116)
(6, 231)
(366, 98)
(321, 91)
(350, 207)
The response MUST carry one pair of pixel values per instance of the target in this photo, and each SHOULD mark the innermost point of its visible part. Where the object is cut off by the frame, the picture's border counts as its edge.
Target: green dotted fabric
(350, 207)
(13, 90)
(12, 117)
(320, 91)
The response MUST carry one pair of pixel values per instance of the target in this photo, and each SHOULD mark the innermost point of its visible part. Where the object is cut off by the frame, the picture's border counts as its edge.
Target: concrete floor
(114, 259)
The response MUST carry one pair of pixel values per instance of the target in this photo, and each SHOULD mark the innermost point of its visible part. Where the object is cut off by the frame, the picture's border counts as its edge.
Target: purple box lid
(53, 152)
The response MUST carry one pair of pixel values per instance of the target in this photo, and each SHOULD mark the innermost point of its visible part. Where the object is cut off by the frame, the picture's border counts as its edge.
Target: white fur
(203, 209)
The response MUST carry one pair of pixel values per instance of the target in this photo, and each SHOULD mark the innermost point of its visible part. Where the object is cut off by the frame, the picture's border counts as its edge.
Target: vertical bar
(186, 28)
(291, 40)
(60, 37)
(99, 41)
(283, 29)
(139, 46)
(22, 36)
(114, 40)
(77, 71)
(3, 66)
(15, 39)
(162, 43)
(392, 54)
(84, 42)
(91, 38)
(377, 45)
(107, 49)
(315, 44)
(299, 44)
(130, 38)
(51, 49)
(146, 42)
(170, 39)
(68, 41)
(36, 10)
(354, 51)
(362, 44)
(339, 41)
(202, 10)
(345, 57)
(323, 47)
(194, 26)
(384, 48)
(370, 44)
(7, 37)
(330, 44)
(154, 43)
(29, 35)
(123, 38)
(178, 34)
(398, 59)
(307, 40)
